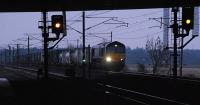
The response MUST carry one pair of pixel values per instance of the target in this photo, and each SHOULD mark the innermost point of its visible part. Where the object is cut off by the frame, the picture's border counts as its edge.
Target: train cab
(109, 55)
(115, 55)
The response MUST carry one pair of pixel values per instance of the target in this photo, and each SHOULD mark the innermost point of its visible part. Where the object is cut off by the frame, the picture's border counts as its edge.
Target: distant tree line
(140, 55)
(133, 56)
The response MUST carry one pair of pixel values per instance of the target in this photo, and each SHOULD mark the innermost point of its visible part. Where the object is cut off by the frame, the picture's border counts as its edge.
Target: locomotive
(109, 55)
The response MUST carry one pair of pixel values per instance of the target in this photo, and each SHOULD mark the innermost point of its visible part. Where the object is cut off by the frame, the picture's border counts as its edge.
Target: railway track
(61, 74)
(138, 97)
(155, 76)
(33, 72)
(115, 88)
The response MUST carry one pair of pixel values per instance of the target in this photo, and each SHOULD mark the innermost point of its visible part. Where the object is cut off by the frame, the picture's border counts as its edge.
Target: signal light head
(57, 25)
(187, 18)
(188, 21)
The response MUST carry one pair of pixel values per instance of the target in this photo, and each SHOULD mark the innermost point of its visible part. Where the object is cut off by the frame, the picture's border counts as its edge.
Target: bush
(141, 68)
(190, 75)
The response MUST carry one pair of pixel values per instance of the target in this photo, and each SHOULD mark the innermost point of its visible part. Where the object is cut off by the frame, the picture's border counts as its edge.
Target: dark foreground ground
(53, 92)
(114, 89)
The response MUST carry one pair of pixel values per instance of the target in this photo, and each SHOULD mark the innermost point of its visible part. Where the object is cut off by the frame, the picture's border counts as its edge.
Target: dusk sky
(140, 27)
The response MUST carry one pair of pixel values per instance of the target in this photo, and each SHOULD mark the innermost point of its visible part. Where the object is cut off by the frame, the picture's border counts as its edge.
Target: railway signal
(187, 18)
(57, 24)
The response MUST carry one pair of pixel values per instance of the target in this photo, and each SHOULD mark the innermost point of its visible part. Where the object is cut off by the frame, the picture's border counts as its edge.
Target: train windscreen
(116, 49)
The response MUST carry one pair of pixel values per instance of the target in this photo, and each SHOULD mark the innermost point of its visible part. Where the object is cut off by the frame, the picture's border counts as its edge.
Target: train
(106, 55)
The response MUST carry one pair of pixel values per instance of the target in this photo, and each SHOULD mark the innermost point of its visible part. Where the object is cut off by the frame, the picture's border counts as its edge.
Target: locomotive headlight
(108, 59)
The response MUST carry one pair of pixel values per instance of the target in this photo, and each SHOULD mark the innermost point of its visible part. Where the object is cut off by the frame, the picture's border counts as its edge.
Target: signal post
(45, 36)
(187, 25)
(175, 31)
(57, 28)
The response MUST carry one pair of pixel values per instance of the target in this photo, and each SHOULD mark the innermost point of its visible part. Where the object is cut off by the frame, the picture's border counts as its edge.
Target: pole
(181, 63)
(45, 35)
(13, 56)
(9, 54)
(83, 51)
(57, 54)
(28, 52)
(111, 37)
(17, 55)
(77, 47)
(64, 23)
(89, 61)
(77, 42)
(5, 57)
(175, 31)
(1, 57)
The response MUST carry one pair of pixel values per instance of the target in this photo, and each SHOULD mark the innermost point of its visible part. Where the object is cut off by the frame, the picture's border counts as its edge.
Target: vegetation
(140, 55)
(133, 56)
(141, 68)
(157, 53)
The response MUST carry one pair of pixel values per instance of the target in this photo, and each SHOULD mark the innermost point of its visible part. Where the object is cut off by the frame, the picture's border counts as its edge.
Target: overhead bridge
(79, 5)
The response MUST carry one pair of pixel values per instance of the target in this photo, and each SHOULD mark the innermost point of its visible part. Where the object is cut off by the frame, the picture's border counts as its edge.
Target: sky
(131, 27)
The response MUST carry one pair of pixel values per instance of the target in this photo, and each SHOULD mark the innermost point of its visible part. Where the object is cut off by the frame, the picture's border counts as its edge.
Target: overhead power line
(132, 31)
(92, 14)
(130, 25)
(152, 13)
(140, 37)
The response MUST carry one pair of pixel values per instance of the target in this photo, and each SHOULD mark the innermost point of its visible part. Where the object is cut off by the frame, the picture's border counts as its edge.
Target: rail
(138, 97)
(30, 70)
(158, 76)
